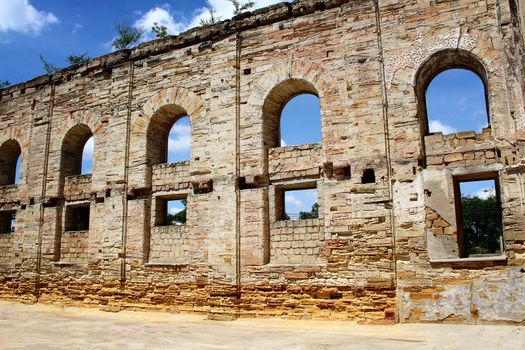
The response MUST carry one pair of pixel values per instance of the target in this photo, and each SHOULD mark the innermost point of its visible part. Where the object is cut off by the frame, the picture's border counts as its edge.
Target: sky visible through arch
(17, 171)
(87, 156)
(456, 102)
(58, 28)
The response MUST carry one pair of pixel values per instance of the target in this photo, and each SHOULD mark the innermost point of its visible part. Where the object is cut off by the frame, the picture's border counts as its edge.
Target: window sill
(180, 266)
(80, 232)
(8, 187)
(472, 263)
(70, 264)
(181, 164)
(283, 267)
(179, 263)
(502, 257)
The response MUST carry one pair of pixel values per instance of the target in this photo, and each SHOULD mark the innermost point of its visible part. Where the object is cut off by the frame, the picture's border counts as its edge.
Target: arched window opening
(301, 121)
(169, 136)
(77, 147)
(451, 93)
(10, 160)
(455, 101)
(291, 114)
(87, 157)
(179, 140)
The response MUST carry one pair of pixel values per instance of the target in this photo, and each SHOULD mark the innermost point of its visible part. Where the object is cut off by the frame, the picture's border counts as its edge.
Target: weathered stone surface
(381, 250)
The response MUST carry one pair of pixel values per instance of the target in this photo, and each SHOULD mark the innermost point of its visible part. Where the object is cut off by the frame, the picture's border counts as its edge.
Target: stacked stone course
(381, 251)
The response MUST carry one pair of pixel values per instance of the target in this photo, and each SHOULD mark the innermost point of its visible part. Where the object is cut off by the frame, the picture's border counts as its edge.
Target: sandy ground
(49, 327)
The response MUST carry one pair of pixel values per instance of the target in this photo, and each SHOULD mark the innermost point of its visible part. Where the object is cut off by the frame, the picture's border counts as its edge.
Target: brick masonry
(377, 253)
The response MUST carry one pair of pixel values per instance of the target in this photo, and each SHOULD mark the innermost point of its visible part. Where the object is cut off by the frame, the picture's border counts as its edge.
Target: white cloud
(283, 144)
(180, 138)
(163, 17)
(21, 16)
(224, 10)
(438, 126)
(175, 210)
(485, 193)
(292, 200)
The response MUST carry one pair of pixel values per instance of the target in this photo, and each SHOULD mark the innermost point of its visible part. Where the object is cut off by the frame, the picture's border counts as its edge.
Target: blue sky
(299, 200)
(179, 141)
(456, 102)
(58, 28)
(87, 156)
(304, 111)
(175, 206)
(481, 189)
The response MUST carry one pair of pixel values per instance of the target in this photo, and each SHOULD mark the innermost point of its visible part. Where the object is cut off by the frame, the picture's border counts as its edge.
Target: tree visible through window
(177, 210)
(301, 121)
(456, 101)
(300, 204)
(480, 217)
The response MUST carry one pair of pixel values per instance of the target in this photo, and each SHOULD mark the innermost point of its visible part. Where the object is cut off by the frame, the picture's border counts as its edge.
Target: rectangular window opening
(479, 219)
(171, 212)
(77, 218)
(7, 222)
(300, 204)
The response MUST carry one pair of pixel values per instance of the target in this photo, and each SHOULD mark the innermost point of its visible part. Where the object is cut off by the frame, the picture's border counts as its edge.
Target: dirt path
(47, 327)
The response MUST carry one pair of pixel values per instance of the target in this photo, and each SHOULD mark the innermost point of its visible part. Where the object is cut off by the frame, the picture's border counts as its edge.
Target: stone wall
(294, 162)
(7, 250)
(297, 242)
(77, 187)
(74, 247)
(381, 251)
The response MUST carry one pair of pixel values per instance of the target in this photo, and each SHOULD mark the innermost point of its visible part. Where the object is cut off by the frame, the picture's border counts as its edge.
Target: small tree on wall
(212, 19)
(4, 84)
(49, 67)
(126, 35)
(159, 30)
(77, 59)
(241, 7)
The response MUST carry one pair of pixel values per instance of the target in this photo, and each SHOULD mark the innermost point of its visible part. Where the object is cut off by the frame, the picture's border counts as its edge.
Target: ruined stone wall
(432, 283)
(376, 253)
